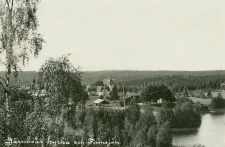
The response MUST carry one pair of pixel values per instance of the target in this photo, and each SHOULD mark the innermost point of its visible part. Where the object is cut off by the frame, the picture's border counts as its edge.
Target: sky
(133, 35)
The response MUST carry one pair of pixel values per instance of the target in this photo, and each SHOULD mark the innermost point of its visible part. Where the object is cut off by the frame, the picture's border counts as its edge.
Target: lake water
(211, 133)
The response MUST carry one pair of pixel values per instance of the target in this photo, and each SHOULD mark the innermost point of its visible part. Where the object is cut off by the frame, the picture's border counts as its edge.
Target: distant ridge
(127, 75)
(89, 77)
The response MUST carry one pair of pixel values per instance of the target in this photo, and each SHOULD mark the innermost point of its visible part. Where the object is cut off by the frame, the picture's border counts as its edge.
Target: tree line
(176, 83)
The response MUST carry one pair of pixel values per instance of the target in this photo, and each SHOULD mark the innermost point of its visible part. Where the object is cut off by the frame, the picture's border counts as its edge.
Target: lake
(211, 133)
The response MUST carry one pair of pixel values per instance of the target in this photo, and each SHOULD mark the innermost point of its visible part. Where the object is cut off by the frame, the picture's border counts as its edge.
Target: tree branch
(3, 79)
(12, 5)
(2, 86)
(7, 3)
(3, 63)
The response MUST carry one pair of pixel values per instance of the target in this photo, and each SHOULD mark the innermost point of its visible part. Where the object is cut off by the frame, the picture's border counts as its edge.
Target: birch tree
(19, 38)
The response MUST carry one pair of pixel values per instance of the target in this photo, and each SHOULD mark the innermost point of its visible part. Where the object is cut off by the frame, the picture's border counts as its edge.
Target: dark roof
(101, 101)
(92, 88)
(99, 83)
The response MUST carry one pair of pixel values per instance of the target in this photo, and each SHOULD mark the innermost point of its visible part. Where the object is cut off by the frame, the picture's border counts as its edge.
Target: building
(159, 101)
(104, 92)
(92, 90)
(100, 102)
(101, 87)
(133, 95)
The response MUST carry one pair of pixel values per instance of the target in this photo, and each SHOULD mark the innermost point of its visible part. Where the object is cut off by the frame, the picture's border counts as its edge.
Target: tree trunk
(9, 60)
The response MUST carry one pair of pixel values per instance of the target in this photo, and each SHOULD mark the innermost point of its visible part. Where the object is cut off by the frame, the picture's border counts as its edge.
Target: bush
(218, 103)
(186, 116)
(121, 103)
(151, 136)
(164, 136)
(164, 115)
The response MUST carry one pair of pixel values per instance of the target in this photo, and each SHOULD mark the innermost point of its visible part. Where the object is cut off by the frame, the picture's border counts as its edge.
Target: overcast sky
(134, 35)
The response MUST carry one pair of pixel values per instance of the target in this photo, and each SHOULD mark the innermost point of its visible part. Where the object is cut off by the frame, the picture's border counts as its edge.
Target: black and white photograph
(112, 73)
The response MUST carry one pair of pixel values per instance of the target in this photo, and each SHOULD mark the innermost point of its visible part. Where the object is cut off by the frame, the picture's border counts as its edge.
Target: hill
(89, 77)
(129, 75)
(27, 77)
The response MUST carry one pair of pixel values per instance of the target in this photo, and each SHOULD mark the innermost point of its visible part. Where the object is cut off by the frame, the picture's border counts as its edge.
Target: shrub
(121, 103)
(186, 116)
(218, 103)
(164, 136)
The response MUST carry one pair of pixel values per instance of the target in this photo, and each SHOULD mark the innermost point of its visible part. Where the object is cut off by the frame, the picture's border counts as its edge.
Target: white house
(100, 102)
(159, 101)
(132, 94)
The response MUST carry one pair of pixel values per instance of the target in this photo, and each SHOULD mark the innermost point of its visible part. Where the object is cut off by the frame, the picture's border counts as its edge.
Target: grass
(201, 100)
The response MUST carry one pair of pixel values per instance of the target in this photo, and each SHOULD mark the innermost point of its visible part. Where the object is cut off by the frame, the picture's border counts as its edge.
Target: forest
(175, 80)
(178, 82)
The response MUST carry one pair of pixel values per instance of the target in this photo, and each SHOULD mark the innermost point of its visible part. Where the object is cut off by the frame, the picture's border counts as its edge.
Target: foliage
(151, 136)
(176, 79)
(130, 127)
(218, 102)
(164, 115)
(17, 94)
(62, 83)
(200, 95)
(91, 122)
(3, 136)
(164, 136)
(121, 103)
(114, 93)
(101, 97)
(186, 115)
(185, 92)
(140, 138)
(133, 113)
(209, 94)
(45, 120)
(157, 92)
(81, 114)
(19, 30)
(104, 124)
(19, 38)
(146, 120)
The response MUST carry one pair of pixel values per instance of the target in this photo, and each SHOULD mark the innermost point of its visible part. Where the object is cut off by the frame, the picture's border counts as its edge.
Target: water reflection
(211, 133)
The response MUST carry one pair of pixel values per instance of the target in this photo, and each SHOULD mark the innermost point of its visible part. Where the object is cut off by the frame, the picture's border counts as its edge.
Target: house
(100, 102)
(133, 95)
(101, 87)
(104, 92)
(92, 90)
(159, 101)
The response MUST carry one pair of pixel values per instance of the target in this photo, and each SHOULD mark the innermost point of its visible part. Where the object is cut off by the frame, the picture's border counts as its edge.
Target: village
(99, 95)
(112, 73)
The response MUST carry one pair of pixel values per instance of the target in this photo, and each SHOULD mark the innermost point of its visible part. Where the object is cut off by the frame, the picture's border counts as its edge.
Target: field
(214, 94)
(202, 101)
